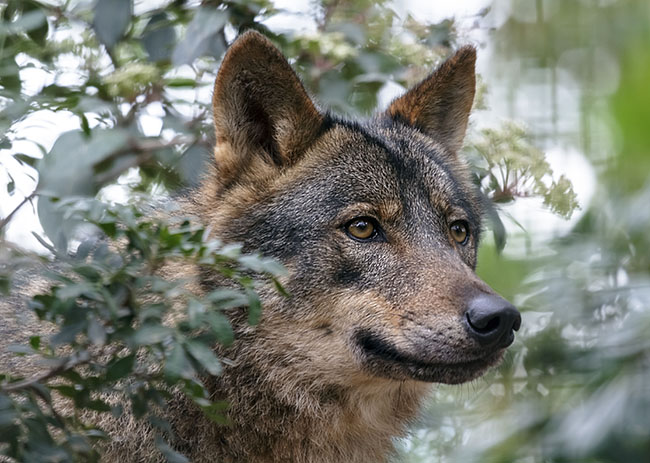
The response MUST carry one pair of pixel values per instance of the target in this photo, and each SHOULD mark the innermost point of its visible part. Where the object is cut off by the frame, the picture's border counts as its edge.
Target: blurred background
(111, 99)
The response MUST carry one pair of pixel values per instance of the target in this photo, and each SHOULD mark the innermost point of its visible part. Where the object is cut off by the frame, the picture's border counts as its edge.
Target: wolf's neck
(326, 425)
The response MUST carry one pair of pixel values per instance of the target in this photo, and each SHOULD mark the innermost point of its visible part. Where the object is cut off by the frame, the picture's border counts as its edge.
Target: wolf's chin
(386, 360)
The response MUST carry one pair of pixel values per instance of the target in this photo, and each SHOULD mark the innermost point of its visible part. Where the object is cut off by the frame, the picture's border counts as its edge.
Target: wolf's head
(377, 222)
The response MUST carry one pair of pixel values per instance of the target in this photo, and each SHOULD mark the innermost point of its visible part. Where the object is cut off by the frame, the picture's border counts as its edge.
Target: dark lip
(377, 350)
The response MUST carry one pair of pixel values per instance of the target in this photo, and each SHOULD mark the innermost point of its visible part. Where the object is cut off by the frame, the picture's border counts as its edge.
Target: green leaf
(7, 414)
(84, 249)
(203, 36)
(254, 307)
(11, 186)
(139, 405)
(177, 364)
(170, 454)
(231, 250)
(195, 311)
(27, 22)
(96, 332)
(19, 349)
(280, 289)
(90, 272)
(85, 125)
(498, 229)
(74, 290)
(192, 164)
(25, 159)
(67, 170)
(35, 342)
(160, 424)
(181, 82)
(68, 333)
(215, 411)
(227, 298)
(262, 264)
(5, 284)
(220, 327)
(111, 19)
(159, 37)
(68, 391)
(98, 405)
(120, 368)
(37, 34)
(109, 228)
(204, 355)
(151, 334)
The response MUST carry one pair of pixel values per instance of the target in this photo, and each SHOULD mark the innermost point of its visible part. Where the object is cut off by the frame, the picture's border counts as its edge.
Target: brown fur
(338, 370)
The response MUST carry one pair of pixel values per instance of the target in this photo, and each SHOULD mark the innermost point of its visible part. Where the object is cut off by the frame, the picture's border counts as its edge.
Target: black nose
(491, 320)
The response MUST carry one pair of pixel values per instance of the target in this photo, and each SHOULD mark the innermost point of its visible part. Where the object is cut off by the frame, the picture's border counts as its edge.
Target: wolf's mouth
(383, 358)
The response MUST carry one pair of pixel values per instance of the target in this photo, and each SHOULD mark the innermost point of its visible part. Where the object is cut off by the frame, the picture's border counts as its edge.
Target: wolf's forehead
(394, 160)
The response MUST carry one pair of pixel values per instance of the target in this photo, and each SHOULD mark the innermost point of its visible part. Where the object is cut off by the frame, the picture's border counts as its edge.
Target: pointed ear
(261, 110)
(440, 104)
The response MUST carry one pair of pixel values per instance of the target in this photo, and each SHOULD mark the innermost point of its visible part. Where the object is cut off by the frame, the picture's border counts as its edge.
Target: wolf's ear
(261, 109)
(440, 104)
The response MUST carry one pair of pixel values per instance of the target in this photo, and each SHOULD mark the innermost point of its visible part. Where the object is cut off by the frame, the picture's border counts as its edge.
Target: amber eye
(361, 229)
(459, 231)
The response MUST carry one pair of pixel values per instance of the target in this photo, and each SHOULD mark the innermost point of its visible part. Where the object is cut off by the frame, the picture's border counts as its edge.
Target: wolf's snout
(491, 320)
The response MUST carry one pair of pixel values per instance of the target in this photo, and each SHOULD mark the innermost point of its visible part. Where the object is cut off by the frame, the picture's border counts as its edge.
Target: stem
(329, 11)
(144, 150)
(7, 219)
(30, 383)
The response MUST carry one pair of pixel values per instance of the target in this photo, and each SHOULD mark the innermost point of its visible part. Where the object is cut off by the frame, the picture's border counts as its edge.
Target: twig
(329, 12)
(55, 252)
(145, 150)
(7, 219)
(29, 383)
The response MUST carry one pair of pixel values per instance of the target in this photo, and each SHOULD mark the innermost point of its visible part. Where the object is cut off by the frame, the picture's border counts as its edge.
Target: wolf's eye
(363, 228)
(459, 232)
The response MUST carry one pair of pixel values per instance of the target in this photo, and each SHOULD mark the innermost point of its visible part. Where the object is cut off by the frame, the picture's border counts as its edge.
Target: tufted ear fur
(439, 105)
(262, 114)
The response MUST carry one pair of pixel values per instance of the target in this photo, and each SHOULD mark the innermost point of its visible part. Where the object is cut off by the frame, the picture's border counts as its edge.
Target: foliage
(513, 167)
(575, 388)
(111, 310)
(136, 77)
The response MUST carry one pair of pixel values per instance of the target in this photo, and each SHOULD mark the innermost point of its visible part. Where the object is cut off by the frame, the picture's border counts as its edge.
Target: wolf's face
(377, 223)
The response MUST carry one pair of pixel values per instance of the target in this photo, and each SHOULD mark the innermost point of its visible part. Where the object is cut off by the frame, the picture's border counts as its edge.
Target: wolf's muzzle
(492, 320)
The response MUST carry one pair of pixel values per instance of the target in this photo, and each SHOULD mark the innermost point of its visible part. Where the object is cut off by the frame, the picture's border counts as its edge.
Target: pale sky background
(45, 127)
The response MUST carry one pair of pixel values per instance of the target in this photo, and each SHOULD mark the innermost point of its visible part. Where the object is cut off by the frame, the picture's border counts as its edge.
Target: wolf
(377, 223)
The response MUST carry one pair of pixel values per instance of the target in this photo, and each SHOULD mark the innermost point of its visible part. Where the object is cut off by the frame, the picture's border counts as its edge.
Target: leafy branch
(7, 219)
(111, 315)
(507, 166)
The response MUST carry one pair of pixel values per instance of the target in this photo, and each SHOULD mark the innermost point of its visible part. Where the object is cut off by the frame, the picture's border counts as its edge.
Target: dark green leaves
(120, 367)
(120, 328)
(11, 186)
